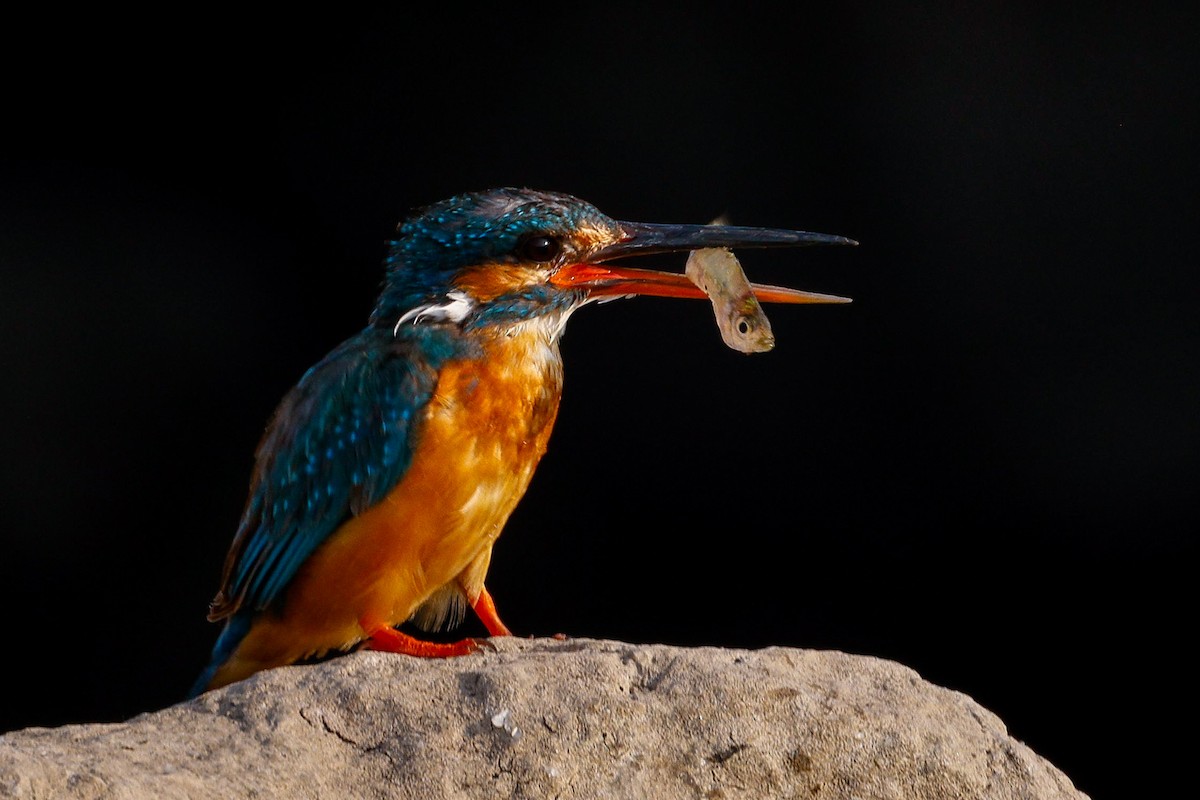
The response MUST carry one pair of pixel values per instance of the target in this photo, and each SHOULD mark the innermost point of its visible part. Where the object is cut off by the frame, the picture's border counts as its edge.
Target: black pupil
(743, 325)
(539, 248)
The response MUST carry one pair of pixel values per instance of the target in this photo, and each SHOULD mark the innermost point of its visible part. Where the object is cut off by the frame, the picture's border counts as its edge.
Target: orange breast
(476, 447)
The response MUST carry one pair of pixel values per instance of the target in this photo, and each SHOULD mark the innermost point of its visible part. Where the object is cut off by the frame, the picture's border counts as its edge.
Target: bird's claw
(482, 645)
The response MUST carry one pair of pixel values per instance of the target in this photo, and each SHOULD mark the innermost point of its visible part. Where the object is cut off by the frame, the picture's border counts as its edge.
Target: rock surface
(555, 719)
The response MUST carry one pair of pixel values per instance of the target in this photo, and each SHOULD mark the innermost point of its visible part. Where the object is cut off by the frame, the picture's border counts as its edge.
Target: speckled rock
(555, 719)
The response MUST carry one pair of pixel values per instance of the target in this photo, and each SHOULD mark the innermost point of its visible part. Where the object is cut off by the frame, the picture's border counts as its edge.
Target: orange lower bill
(606, 281)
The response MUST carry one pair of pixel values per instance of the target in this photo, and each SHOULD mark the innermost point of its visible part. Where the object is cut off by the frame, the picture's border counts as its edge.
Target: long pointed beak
(642, 239)
(602, 279)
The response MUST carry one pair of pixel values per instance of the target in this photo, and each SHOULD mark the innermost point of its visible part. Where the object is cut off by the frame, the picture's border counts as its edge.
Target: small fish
(743, 325)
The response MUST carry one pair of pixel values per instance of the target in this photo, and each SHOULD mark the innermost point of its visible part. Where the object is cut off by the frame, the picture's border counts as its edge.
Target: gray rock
(555, 719)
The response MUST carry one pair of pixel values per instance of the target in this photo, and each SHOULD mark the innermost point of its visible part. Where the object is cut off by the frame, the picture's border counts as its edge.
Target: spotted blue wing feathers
(338, 443)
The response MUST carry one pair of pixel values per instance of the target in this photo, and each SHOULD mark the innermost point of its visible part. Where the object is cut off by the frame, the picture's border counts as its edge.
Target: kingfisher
(388, 471)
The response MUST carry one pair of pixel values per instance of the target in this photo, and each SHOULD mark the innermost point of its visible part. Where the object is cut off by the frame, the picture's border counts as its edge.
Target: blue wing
(339, 441)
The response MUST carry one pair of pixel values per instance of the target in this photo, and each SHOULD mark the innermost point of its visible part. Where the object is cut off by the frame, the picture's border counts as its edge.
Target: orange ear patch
(486, 282)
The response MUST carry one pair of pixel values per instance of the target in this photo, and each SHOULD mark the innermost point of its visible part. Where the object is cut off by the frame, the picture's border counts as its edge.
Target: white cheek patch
(458, 305)
(549, 327)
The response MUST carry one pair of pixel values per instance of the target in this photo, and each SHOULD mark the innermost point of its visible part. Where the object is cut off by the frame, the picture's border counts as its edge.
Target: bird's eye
(539, 248)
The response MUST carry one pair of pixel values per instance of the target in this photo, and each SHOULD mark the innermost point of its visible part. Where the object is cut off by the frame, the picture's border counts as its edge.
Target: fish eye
(744, 325)
(539, 248)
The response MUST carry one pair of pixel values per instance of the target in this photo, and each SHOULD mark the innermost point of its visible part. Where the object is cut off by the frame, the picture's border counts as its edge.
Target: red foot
(390, 640)
(485, 609)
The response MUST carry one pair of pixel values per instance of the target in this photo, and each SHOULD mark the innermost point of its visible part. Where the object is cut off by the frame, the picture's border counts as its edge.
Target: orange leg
(485, 609)
(390, 640)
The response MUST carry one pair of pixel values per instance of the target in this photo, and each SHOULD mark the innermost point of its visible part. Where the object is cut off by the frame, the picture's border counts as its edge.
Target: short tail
(235, 630)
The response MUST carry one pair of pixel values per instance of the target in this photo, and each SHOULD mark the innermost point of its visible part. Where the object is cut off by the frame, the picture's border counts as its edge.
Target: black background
(985, 468)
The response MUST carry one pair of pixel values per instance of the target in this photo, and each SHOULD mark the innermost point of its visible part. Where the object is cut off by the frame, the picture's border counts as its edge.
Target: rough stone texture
(554, 719)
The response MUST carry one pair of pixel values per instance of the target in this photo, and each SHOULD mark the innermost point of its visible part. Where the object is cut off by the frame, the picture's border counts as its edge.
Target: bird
(386, 474)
